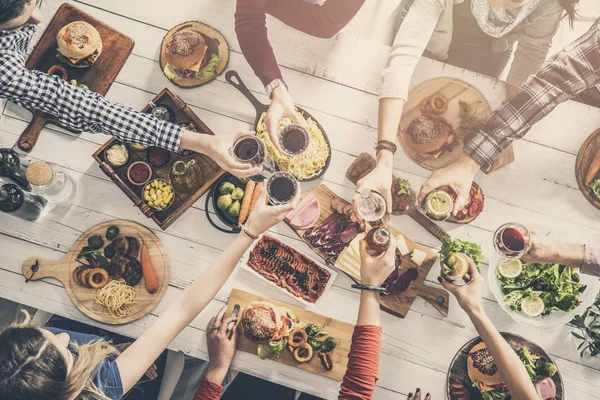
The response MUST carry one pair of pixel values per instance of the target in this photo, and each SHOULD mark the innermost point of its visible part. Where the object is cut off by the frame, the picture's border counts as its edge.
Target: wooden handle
(46, 269)
(439, 298)
(30, 135)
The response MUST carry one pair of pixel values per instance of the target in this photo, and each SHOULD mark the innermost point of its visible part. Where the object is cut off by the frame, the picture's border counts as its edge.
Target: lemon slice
(510, 267)
(532, 306)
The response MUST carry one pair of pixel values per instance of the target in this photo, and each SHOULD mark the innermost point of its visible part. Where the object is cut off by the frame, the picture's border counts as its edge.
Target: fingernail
(418, 390)
(427, 394)
(439, 278)
(410, 394)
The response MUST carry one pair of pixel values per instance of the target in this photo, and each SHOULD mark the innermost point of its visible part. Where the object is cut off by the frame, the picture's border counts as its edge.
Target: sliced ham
(305, 201)
(308, 215)
(546, 389)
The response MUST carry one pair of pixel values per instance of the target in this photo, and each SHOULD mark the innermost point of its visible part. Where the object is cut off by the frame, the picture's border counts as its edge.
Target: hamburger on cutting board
(79, 44)
(430, 135)
(262, 322)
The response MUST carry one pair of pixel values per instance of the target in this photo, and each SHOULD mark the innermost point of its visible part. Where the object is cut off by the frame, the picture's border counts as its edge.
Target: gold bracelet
(253, 237)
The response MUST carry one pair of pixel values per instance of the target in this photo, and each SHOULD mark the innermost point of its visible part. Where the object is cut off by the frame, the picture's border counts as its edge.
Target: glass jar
(186, 177)
(53, 182)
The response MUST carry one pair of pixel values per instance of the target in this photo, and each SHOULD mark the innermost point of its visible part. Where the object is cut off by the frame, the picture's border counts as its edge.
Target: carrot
(245, 208)
(255, 195)
(150, 277)
(593, 169)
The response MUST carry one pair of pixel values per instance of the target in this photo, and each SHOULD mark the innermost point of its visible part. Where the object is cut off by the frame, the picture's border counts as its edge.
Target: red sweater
(320, 21)
(361, 375)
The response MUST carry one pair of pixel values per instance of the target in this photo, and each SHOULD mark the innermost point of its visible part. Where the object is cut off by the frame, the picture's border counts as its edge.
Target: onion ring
(60, 71)
(95, 273)
(306, 348)
(438, 104)
(77, 273)
(297, 338)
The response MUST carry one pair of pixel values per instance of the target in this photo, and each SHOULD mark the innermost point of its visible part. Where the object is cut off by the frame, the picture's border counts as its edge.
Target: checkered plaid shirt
(563, 77)
(76, 108)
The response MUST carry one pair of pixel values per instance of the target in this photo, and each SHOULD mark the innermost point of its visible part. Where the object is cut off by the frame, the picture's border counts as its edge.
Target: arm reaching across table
(512, 371)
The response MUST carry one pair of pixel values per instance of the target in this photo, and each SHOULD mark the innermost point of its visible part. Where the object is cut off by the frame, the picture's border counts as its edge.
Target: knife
(231, 326)
(428, 224)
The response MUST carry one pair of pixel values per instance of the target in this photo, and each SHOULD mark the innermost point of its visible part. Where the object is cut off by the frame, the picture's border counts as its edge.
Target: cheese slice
(418, 257)
(401, 245)
(196, 67)
(355, 245)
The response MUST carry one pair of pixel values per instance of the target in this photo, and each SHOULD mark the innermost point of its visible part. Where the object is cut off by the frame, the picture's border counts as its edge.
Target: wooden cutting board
(396, 304)
(84, 298)
(98, 78)
(458, 367)
(586, 154)
(342, 331)
(453, 90)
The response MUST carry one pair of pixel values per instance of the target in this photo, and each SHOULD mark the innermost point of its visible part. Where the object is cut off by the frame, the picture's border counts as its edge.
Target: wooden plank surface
(538, 190)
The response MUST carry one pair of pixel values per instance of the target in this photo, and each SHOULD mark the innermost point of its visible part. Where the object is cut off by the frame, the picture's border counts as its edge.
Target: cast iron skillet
(261, 108)
(224, 217)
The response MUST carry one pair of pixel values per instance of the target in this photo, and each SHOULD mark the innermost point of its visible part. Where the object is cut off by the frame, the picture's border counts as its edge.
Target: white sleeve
(411, 40)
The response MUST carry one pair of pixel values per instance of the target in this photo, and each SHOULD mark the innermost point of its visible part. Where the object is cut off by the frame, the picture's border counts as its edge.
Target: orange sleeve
(208, 391)
(363, 364)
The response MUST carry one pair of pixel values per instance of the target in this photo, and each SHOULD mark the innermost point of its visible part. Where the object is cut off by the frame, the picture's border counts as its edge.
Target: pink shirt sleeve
(363, 364)
(208, 391)
(591, 263)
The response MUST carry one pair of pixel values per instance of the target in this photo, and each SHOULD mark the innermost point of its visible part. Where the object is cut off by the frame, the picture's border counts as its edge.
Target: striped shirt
(75, 108)
(563, 77)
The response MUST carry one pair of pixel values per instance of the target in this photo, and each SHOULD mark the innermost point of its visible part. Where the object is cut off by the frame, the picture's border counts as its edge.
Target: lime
(510, 267)
(532, 306)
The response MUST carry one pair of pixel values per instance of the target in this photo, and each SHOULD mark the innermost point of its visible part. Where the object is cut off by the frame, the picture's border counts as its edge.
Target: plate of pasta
(309, 165)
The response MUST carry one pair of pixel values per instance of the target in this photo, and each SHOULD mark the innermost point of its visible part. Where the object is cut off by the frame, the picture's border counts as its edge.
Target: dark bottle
(378, 241)
(24, 205)
(11, 168)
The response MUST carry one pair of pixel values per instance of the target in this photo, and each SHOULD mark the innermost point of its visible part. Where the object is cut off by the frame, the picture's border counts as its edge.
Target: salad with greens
(557, 286)
(537, 367)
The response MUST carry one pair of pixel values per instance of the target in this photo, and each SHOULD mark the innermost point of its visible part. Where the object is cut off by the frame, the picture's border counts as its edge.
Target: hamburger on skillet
(263, 322)
(187, 57)
(429, 135)
(79, 44)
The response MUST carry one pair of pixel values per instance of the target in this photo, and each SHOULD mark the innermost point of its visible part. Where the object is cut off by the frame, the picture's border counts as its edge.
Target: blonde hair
(32, 368)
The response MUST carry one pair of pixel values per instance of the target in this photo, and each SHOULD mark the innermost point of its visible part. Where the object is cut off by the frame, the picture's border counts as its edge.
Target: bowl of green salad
(543, 295)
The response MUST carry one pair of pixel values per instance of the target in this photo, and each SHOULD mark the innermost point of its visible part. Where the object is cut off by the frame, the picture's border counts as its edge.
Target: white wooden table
(340, 89)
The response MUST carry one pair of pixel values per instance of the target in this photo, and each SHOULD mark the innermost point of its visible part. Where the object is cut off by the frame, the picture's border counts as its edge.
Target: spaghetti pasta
(303, 166)
(117, 297)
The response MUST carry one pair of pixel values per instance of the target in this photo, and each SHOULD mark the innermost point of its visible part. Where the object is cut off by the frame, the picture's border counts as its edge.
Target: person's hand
(374, 271)
(151, 373)
(469, 296)
(546, 250)
(417, 395)
(379, 180)
(217, 148)
(282, 105)
(459, 176)
(221, 349)
(263, 216)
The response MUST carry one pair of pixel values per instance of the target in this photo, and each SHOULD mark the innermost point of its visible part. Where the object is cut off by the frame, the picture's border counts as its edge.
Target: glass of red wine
(294, 139)
(250, 149)
(512, 240)
(281, 188)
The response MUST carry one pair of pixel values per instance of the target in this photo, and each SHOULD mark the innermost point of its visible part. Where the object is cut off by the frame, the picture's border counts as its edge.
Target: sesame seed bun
(78, 40)
(186, 49)
(261, 321)
(429, 135)
(482, 369)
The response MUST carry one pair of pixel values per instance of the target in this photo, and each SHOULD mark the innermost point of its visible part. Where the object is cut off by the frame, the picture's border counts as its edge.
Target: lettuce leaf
(272, 348)
(209, 71)
(595, 187)
(171, 74)
(461, 246)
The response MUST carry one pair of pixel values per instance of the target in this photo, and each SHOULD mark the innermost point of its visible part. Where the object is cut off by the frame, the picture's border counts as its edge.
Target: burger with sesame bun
(79, 44)
(267, 325)
(187, 56)
(430, 135)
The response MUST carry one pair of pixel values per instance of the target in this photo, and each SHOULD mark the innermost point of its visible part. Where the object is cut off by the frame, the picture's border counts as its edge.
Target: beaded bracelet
(369, 287)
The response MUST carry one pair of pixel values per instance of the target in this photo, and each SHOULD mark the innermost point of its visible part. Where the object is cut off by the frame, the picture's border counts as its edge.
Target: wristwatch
(273, 85)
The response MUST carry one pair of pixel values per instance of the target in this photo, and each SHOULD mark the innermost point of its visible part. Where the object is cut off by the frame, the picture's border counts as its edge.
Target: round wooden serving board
(586, 154)
(216, 45)
(453, 90)
(458, 366)
(84, 298)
